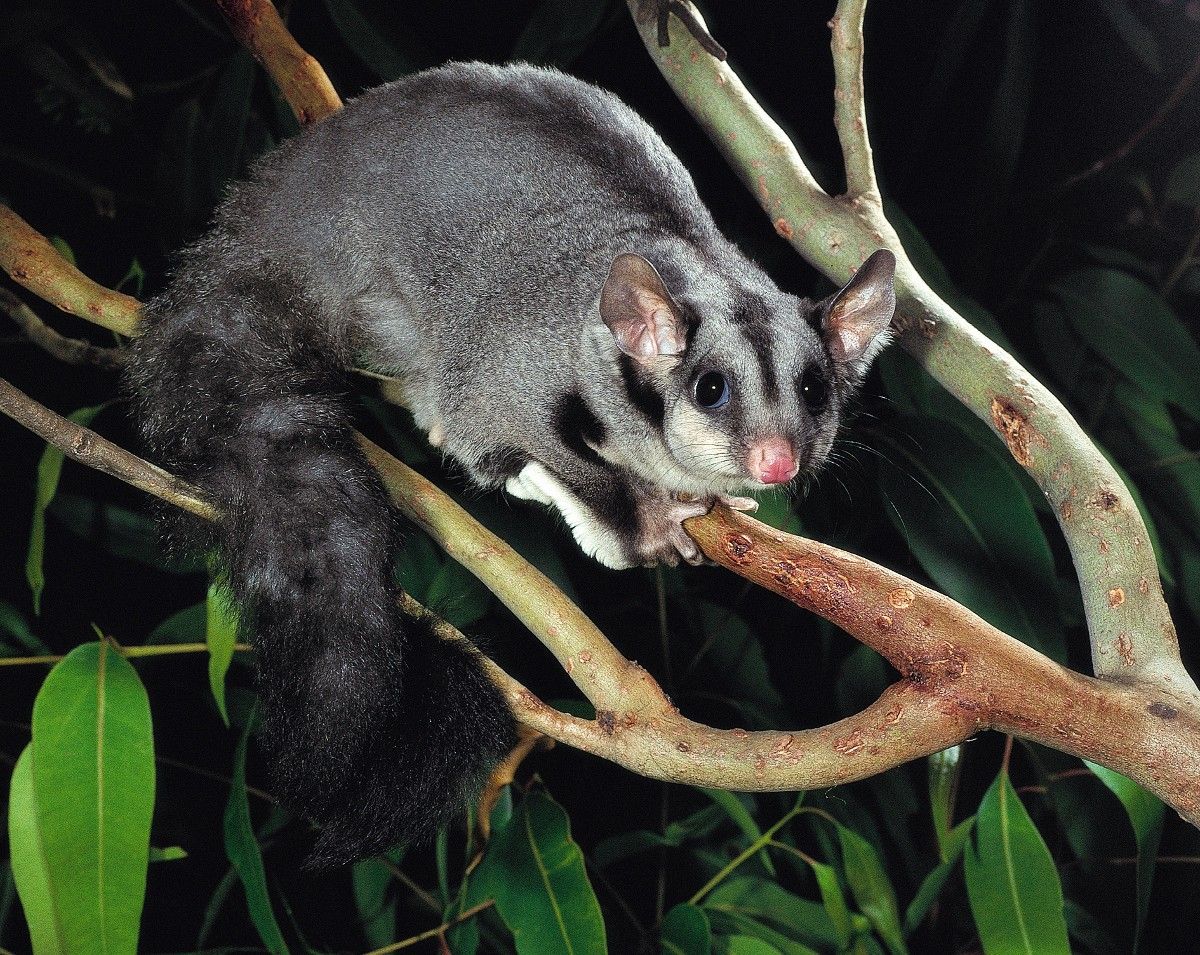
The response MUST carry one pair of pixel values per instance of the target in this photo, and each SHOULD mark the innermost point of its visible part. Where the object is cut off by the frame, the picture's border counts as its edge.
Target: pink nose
(771, 461)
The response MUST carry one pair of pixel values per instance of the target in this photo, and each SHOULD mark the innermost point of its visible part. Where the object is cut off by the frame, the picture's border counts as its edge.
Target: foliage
(131, 122)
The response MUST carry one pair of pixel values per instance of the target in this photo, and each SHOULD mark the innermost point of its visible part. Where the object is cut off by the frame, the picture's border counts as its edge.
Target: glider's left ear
(854, 320)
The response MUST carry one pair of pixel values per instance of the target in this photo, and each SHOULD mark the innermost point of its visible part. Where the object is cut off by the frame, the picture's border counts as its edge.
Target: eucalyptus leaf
(1145, 812)
(17, 632)
(933, 883)
(375, 899)
(1135, 34)
(734, 932)
(226, 140)
(220, 633)
(686, 931)
(535, 872)
(559, 31)
(28, 856)
(244, 853)
(49, 470)
(759, 899)
(732, 806)
(1183, 184)
(388, 56)
(1130, 326)
(871, 888)
(93, 783)
(1012, 883)
(971, 525)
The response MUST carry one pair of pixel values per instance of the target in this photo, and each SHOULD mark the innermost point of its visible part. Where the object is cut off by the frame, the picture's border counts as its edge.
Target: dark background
(120, 124)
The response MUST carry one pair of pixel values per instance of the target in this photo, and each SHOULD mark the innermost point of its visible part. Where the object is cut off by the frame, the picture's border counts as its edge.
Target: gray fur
(454, 229)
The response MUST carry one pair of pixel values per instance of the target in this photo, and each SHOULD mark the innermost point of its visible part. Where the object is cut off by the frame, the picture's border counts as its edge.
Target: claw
(745, 504)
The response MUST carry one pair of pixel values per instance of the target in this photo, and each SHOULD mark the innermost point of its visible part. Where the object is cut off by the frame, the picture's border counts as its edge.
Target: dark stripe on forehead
(641, 392)
(754, 320)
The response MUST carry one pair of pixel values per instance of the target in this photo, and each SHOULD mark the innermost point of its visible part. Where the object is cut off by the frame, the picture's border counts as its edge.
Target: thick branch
(300, 78)
(1131, 631)
(33, 262)
(606, 677)
(906, 722)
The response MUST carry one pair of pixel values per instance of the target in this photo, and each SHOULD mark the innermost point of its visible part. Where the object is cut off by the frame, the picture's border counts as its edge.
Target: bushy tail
(374, 728)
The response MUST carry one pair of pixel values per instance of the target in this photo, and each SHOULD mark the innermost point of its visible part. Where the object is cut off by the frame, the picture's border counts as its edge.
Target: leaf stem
(433, 932)
(146, 650)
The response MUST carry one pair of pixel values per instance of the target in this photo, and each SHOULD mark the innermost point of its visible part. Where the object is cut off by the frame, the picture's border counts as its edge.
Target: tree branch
(959, 674)
(302, 81)
(1132, 635)
(73, 351)
(33, 262)
(849, 101)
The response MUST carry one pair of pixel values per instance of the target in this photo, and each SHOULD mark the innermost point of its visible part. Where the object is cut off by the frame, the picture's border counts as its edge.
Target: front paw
(661, 538)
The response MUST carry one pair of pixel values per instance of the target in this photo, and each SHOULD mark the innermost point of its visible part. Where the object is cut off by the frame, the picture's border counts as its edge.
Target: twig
(74, 351)
(849, 111)
(143, 650)
(88, 448)
(1177, 94)
(433, 932)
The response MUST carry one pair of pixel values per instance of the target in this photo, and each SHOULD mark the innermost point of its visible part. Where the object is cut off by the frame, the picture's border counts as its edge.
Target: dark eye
(711, 390)
(814, 389)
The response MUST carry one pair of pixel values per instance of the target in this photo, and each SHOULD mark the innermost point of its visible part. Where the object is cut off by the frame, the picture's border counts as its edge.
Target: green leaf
(833, 899)
(685, 931)
(536, 874)
(735, 662)
(375, 901)
(972, 527)
(1013, 886)
(63, 248)
(756, 898)
(1136, 35)
(871, 888)
(220, 633)
(27, 850)
(1145, 811)
(186, 626)
(93, 782)
(730, 926)
(121, 532)
(14, 625)
(48, 472)
(732, 806)
(167, 853)
(747, 945)
(1087, 929)
(1130, 326)
(456, 595)
(943, 770)
(242, 849)
(136, 275)
(559, 31)
(935, 881)
(775, 510)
